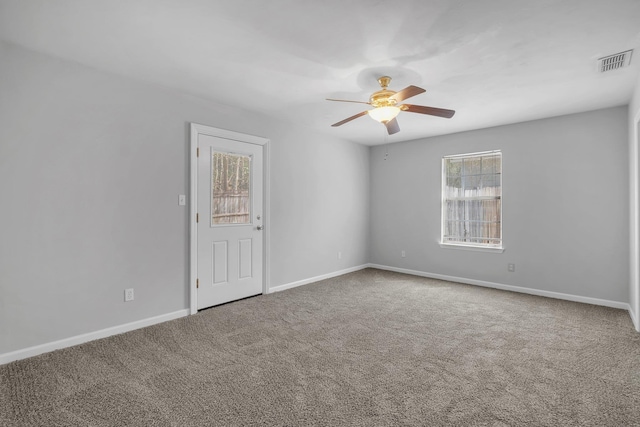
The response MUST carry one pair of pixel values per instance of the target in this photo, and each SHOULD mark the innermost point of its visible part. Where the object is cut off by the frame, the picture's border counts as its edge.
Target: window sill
(472, 248)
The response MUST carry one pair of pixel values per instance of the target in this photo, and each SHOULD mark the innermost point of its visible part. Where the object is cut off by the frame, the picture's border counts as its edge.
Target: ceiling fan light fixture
(384, 114)
(387, 105)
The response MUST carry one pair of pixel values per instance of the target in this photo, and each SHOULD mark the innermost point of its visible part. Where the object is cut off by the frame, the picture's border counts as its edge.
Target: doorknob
(259, 227)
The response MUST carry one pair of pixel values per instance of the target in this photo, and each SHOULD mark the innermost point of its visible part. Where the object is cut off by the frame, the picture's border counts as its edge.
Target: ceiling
(493, 61)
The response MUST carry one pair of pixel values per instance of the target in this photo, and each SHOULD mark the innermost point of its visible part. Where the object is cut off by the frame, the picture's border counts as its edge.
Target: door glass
(230, 189)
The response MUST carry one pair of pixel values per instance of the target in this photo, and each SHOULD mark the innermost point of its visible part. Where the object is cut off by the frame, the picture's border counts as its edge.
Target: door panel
(245, 254)
(229, 229)
(219, 262)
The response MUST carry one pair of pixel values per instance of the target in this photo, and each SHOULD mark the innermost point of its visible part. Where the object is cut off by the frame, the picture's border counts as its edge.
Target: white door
(229, 220)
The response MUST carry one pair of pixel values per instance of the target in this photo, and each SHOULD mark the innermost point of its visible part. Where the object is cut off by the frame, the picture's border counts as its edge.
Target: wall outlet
(511, 268)
(339, 255)
(128, 294)
(403, 254)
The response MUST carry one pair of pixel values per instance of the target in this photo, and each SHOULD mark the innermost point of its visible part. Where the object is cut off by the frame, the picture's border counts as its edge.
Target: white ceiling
(493, 61)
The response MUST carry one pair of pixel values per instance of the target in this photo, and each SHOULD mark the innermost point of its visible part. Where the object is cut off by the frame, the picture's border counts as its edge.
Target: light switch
(182, 200)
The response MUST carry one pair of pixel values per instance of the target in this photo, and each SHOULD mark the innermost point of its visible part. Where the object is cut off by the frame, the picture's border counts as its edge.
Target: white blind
(472, 199)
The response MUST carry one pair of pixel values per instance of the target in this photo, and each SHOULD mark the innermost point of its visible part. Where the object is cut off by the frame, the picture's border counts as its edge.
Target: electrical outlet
(403, 254)
(339, 255)
(128, 294)
(511, 268)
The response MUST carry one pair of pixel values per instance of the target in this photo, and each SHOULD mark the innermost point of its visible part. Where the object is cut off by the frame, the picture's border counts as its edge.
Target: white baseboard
(316, 279)
(103, 333)
(531, 291)
(634, 319)
(80, 339)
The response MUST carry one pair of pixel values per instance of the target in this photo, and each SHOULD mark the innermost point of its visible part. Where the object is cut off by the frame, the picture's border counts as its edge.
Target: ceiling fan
(386, 108)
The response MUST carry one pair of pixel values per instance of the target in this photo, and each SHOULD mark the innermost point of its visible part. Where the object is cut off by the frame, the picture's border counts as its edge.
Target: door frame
(196, 130)
(634, 189)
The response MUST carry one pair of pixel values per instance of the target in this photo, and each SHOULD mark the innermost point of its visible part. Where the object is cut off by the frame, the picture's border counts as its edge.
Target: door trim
(634, 222)
(196, 130)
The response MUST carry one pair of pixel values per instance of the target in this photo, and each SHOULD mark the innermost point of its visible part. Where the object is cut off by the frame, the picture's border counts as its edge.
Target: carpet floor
(370, 348)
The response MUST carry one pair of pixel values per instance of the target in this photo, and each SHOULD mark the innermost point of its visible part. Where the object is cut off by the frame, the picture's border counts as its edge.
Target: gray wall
(91, 166)
(565, 214)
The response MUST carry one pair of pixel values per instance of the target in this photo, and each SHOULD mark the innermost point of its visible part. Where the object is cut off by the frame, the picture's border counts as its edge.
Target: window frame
(482, 247)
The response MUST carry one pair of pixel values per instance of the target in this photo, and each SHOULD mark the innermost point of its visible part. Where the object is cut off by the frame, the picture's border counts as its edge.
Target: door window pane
(231, 188)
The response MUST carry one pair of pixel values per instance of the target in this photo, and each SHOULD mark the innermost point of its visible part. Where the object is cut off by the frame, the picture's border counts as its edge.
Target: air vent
(613, 62)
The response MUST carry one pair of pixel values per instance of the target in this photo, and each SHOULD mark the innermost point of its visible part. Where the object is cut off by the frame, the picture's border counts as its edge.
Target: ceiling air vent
(615, 61)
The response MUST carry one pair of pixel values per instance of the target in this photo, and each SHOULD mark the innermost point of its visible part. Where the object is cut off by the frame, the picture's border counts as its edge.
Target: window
(472, 200)
(230, 188)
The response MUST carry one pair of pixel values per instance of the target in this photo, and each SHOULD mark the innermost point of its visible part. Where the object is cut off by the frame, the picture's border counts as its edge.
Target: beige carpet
(371, 348)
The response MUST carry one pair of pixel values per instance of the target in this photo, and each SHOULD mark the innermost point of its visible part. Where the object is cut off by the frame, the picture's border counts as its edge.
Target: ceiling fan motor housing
(382, 98)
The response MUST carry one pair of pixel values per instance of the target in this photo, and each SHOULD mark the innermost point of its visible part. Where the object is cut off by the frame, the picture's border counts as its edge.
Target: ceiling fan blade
(432, 111)
(349, 119)
(345, 100)
(392, 126)
(407, 92)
